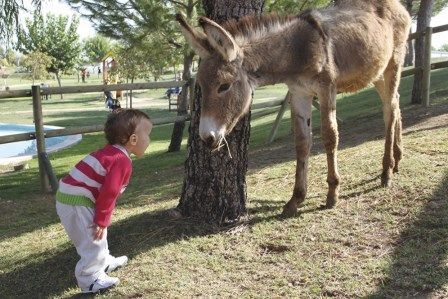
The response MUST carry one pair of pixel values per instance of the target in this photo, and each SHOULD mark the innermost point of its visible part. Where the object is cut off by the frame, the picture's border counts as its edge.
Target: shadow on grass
(273, 209)
(52, 275)
(419, 266)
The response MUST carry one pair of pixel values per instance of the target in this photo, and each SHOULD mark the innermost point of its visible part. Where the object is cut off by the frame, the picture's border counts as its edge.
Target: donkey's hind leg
(387, 87)
(301, 118)
(330, 138)
(398, 150)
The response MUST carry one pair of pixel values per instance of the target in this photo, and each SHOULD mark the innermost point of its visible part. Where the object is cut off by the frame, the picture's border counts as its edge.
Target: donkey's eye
(223, 87)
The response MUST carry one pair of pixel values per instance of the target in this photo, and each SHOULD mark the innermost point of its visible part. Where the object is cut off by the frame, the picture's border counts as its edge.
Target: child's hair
(121, 124)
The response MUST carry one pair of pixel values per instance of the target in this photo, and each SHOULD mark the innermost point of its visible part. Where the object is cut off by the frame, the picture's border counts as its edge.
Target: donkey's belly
(359, 81)
(361, 51)
(357, 71)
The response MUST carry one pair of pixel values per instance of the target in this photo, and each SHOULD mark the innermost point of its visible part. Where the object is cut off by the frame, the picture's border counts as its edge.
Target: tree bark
(130, 95)
(423, 21)
(409, 58)
(182, 99)
(214, 189)
(182, 107)
(59, 82)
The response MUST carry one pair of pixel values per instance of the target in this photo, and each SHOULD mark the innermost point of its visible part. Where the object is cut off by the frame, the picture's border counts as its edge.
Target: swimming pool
(16, 152)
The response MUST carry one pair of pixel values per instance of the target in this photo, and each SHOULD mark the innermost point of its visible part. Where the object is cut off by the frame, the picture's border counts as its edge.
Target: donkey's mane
(251, 28)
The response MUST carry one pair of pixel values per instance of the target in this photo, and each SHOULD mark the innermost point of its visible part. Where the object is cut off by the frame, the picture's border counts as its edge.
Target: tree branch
(178, 3)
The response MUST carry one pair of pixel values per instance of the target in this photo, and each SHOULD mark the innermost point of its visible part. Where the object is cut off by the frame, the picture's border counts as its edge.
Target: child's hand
(97, 231)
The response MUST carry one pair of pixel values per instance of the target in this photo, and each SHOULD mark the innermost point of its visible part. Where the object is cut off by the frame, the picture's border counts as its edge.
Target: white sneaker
(116, 262)
(101, 284)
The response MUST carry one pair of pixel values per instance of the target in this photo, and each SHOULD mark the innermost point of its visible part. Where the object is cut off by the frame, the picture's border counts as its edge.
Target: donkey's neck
(278, 57)
(268, 62)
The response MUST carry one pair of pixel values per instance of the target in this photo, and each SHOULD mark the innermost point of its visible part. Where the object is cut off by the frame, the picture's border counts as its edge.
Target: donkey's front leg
(330, 138)
(301, 117)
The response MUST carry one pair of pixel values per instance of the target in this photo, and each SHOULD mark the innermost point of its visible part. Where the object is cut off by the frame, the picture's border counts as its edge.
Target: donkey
(319, 52)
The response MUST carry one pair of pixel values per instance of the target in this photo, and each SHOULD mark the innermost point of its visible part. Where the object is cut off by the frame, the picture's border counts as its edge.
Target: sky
(440, 38)
(86, 29)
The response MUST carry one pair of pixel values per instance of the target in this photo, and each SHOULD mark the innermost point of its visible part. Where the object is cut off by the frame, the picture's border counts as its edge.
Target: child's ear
(133, 139)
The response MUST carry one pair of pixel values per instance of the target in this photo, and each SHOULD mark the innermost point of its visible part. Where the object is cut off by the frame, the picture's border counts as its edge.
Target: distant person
(111, 103)
(173, 90)
(45, 85)
(83, 75)
(87, 195)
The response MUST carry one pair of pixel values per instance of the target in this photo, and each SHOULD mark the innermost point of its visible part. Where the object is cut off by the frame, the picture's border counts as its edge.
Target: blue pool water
(28, 148)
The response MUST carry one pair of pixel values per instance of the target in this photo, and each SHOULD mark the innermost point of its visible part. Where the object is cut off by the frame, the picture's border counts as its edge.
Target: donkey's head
(226, 91)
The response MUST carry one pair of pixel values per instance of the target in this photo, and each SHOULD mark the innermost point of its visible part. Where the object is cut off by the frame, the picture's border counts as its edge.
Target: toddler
(87, 196)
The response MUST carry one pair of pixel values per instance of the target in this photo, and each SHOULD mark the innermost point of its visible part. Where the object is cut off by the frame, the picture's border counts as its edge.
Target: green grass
(379, 243)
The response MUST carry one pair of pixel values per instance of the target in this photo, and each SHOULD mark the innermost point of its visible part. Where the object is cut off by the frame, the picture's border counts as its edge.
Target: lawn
(379, 243)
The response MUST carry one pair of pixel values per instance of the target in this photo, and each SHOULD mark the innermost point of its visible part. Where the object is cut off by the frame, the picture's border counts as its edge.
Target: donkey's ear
(220, 39)
(197, 40)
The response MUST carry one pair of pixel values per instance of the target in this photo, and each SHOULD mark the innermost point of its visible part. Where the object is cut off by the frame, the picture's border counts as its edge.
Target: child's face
(138, 145)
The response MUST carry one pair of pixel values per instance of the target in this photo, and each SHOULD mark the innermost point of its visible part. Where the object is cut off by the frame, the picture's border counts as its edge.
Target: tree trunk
(59, 83)
(423, 21)
(130, 94)
(182, 107)
(214, 188)
(175, 72)
(409, 58)
(182, 99)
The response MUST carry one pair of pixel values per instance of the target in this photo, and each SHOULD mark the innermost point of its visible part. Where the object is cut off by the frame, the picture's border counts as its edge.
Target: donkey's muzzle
(210, 131)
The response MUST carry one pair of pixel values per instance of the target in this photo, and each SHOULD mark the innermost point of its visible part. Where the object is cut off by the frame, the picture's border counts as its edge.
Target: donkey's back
(364, 36)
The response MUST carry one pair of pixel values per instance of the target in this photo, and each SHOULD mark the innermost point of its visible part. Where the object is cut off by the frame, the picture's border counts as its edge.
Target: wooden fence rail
(90, 88)
(426, 66)
(433, 66)
(423, 32)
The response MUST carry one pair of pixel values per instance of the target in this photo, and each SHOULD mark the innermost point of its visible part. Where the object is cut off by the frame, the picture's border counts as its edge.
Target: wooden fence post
(427, 67)
(40, 136)
(50, 173)
(278, 119)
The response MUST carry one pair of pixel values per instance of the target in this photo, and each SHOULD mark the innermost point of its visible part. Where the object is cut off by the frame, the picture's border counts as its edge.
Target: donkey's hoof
(331, 203)
(289, 210)
(386, 182)
(386, 178)
(395, 170)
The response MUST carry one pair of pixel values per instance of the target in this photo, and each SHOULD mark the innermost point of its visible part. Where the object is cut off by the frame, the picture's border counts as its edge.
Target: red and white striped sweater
(100, 177)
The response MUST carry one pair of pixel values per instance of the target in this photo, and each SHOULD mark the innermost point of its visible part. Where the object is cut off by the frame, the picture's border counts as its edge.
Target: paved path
(136, 103)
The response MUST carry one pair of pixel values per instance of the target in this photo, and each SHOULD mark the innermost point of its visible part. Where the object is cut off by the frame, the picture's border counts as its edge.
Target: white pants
(94, 253)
